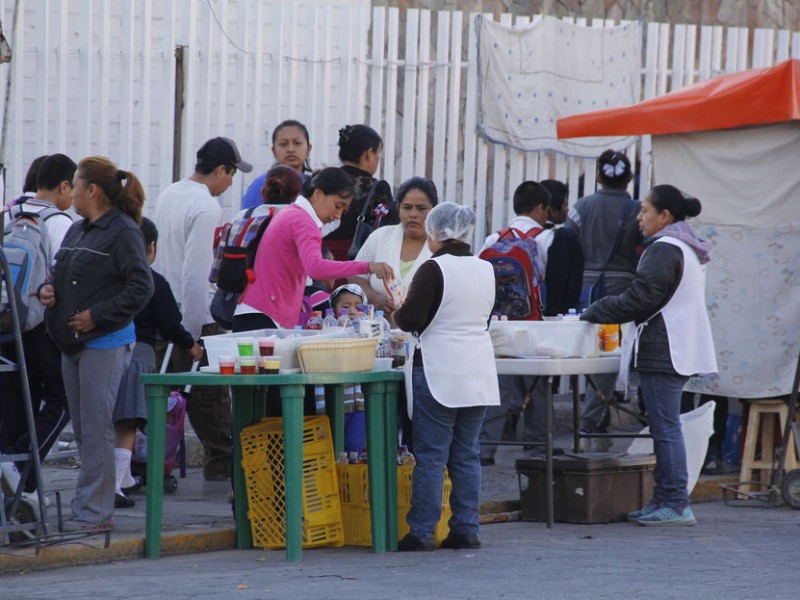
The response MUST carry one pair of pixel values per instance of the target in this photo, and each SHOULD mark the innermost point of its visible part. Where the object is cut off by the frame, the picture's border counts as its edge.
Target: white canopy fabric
(748, 181)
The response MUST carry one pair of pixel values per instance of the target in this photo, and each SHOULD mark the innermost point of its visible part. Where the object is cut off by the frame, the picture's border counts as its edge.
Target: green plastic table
(380, 396)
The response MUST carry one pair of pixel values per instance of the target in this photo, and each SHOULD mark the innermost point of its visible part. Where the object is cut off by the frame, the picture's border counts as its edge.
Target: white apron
(457, 351)
(691, 345)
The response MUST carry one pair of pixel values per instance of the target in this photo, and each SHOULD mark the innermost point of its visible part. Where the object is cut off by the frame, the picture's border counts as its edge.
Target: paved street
(732, 554)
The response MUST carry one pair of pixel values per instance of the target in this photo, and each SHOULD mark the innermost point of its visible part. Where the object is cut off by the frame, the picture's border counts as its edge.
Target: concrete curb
(129, 546)
(90, 550)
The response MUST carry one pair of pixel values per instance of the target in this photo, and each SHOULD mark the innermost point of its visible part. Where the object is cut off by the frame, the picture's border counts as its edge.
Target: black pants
(208, 409)
(48, 398)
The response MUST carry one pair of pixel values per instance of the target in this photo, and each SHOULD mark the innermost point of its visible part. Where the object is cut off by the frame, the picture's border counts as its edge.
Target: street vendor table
(550, 368)
(380, 396)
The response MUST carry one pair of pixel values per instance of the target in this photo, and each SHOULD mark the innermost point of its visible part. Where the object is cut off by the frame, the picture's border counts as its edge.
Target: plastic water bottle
(329, 320)
(344, 319)
(385, 344)
(404, 457)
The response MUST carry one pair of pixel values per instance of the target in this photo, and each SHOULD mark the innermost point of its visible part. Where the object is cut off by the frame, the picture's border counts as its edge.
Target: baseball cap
(222, 151)
(353, 288)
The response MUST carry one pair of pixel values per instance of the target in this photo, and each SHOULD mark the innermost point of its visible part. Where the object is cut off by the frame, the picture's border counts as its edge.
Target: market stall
(733, 142)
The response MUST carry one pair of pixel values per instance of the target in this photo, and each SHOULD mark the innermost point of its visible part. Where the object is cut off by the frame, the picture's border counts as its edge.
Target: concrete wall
(770, 14)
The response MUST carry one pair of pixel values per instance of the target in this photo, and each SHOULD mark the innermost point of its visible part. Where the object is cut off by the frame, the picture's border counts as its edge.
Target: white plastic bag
(697, 427)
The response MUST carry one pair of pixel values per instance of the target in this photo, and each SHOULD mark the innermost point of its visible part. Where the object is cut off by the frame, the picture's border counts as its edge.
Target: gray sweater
(595, 218)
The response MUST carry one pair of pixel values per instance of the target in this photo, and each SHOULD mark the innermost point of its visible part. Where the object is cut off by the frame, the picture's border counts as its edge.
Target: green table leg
(292, 402)
(156, 440)
(334, 408)
(243, 413)
(391, 465)
(376, 446)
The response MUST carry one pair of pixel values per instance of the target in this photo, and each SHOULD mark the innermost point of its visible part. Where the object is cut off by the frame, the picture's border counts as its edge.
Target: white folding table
(550, 368)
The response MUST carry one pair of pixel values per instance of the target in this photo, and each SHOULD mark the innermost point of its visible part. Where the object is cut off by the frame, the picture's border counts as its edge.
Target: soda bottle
(362, 458)
(315, 322)
(329, 320)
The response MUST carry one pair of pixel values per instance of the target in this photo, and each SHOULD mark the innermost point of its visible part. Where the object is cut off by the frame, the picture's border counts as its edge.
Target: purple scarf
(680, 230)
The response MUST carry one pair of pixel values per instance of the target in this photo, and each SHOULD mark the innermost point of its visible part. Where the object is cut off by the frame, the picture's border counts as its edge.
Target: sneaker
(643, 512)
(412, 543)
(76, 526)
(666, 516)
(459, 541)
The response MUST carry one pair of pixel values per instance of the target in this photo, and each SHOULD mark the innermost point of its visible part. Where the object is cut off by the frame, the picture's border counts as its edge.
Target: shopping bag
(697, 427)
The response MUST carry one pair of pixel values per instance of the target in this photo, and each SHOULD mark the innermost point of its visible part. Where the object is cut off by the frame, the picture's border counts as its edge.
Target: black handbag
(363, 229)
(598, 288)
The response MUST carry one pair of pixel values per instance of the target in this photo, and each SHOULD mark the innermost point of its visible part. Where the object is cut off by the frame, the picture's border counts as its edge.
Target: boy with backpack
(519, 254)
(34, 229)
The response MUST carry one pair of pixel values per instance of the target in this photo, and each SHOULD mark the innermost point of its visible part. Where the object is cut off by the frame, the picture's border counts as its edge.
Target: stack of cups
(267, 365)
(247, 358)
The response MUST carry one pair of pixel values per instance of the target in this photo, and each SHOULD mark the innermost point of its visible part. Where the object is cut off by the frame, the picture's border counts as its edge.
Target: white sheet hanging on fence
(531, 76)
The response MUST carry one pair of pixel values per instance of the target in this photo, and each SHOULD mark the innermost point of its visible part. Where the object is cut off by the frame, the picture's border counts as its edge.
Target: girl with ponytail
(100, 280)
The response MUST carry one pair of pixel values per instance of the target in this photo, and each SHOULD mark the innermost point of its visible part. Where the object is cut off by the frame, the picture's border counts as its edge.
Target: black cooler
(587, 488)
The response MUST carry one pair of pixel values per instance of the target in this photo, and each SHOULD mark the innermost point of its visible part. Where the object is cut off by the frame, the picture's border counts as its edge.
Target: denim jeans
(662, 399)
(444, 437)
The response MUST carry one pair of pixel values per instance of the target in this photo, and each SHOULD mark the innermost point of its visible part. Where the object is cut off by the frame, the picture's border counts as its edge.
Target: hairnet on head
(450, 221)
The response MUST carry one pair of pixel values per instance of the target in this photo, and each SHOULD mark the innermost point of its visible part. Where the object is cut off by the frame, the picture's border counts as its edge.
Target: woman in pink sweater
(290, 251)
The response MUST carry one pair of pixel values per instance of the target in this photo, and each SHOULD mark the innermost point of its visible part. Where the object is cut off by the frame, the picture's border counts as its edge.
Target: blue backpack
(519, 281)
(26, 246)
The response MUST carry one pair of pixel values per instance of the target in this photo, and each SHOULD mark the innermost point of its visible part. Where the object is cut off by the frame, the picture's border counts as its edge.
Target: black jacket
(102, 266)
(162, 317)
(363, 184)
(564, 273)
(657, 277)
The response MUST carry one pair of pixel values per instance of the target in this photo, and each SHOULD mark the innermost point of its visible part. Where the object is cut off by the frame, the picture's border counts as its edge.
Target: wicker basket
(337, 355)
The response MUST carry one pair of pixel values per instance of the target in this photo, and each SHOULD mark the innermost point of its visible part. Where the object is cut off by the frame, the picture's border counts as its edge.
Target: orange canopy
(754, 97)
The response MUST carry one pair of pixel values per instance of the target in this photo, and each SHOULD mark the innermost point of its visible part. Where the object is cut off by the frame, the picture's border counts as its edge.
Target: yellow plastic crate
(262, 462)
(337, 355)
(354, 497)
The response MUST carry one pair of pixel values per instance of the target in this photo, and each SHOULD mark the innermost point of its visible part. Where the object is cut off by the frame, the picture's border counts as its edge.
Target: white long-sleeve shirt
(186, 216)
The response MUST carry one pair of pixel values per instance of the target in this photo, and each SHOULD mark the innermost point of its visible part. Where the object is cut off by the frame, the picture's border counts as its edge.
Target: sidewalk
(198, 517)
